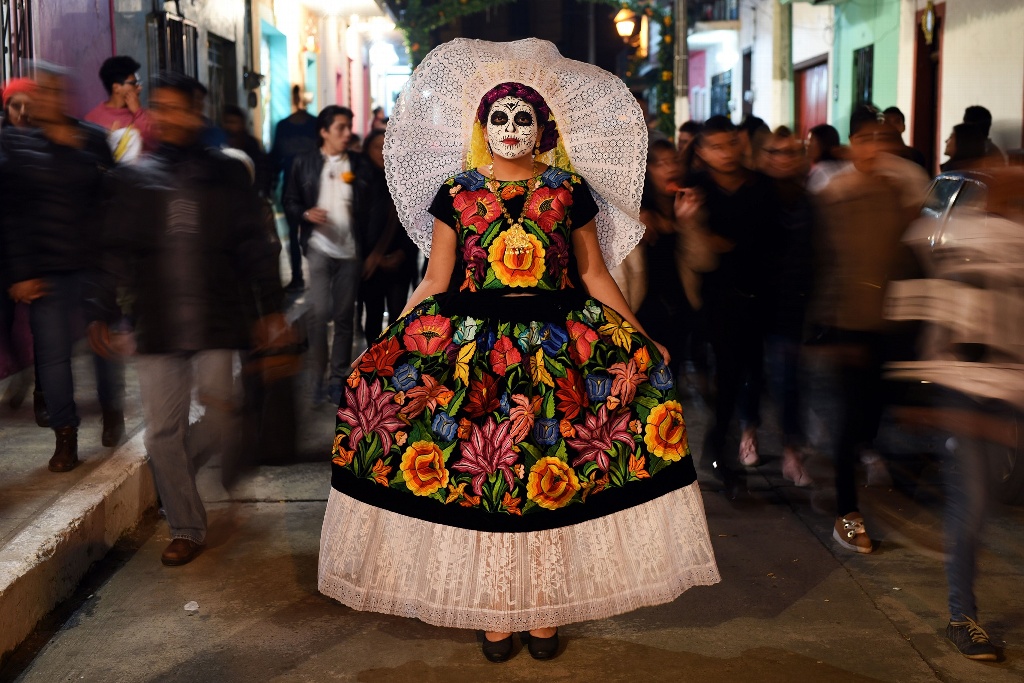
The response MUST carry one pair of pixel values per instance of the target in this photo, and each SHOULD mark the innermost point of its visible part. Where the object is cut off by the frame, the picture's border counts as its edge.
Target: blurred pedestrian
(329, 196)
(738, 209)
(379, 122)
(390, 264)
(965, 148)
(185, 237)
(236, 127)
(293, 137)
(826, 156)
(982, 117)
(783, 160)
(687, 134)
(17, 97)
(895, 118)
(753, 133)
(866, 209)
(122, 115)
(52, 182)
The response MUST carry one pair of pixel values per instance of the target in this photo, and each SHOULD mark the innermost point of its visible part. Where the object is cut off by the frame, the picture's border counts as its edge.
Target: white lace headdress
(601, 126)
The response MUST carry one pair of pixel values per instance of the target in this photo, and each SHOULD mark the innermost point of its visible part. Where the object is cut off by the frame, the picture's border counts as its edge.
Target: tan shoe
(849, 531)
(180, 551)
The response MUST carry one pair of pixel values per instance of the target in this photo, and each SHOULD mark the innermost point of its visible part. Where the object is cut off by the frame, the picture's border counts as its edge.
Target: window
(173, 44)
(863, 69)
(15, 36)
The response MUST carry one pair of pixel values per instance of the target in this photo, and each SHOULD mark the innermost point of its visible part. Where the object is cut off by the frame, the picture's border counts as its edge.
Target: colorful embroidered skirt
(507, 463)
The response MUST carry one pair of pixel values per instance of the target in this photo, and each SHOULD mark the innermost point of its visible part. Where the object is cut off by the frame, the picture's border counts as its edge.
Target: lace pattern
(601, 125)
(381, 561)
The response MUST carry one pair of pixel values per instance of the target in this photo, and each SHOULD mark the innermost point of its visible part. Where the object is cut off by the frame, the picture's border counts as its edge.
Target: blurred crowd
(151, 232)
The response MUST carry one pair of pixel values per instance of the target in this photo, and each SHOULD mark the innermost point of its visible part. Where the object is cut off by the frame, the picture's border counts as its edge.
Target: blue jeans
(54, 319)
(966, 477)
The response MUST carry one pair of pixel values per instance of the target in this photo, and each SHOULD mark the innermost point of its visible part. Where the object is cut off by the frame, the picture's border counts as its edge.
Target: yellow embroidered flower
(517, 258)
(381, 472)
(466, 352)
(538, 373)
(620, 331)
(665, 434)
(342, 456)
(423, 468)
(552, 483)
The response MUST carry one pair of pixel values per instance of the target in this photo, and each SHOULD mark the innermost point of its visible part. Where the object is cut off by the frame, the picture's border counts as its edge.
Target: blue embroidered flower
(661, 378)
(467, 330)
(592, 312)
(598, 386)
(503, 405)
(444, 426)
(472, 180)
(405, 377)
(545, 431)
(553, 177)
(530, 337)
(553, 339)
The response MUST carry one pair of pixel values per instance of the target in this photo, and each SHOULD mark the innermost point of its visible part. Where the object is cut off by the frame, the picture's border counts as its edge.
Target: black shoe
(971, 640)
(295, 286)
(113, 428)
(497, 650)
(540, 648)
(65, 455)
(39, 407)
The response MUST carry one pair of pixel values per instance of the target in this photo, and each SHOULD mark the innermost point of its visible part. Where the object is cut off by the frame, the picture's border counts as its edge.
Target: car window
(940, 194)
(973, 195)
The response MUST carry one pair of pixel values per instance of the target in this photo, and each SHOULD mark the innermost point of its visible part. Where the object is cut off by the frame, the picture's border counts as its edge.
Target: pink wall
(76, 34)
(698, 68)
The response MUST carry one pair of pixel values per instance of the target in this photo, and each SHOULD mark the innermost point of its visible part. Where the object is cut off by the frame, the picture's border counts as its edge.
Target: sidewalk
(792, 605)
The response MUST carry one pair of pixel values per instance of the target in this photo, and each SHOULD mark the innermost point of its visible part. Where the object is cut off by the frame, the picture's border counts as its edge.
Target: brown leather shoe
(113, 427)
(65, 456)
(180, 551)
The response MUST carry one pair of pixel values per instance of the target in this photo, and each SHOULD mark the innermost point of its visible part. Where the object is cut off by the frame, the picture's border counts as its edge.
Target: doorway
(223, 76)
(811, 93)
(928, 89)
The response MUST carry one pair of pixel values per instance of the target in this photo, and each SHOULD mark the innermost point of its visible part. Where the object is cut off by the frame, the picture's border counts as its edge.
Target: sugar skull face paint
(512, 128)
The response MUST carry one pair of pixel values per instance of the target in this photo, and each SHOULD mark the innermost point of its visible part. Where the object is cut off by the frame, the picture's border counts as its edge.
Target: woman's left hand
(665, 355)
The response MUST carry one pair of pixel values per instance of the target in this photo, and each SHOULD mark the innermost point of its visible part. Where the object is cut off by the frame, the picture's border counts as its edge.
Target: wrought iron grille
(16, 29)
(173, 44)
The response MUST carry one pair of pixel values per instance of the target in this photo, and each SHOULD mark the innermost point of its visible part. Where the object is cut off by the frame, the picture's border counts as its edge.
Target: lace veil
(430, 135)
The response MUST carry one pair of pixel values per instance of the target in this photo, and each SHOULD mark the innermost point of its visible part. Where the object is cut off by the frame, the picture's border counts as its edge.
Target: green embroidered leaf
(532, 453)
(549, 405)
(646, 402)
(491, 233)
(558, 451)
(456, 402)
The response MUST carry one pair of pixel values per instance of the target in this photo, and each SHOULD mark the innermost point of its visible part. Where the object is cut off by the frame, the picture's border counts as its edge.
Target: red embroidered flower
(477, 209)
(597, 435)
(571, 394)
(427, 334)
(547, 206)
(581, 337)
(381, 357)
(488, 450)
(370, 410)
(482, 397)
(504, 355)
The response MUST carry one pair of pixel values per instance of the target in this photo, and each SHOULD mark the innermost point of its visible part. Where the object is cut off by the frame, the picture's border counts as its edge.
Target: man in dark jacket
(330, 196)
(185, 238)
(52, 181)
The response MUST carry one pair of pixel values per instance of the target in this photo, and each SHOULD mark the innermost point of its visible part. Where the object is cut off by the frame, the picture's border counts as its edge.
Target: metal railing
(16, 37)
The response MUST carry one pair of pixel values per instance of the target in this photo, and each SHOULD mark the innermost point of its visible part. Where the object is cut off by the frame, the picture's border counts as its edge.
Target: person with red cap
(16, 100)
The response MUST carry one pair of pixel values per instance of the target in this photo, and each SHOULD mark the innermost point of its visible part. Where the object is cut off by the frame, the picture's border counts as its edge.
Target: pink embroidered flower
(595, 437)
(370, 410)
(488, 450)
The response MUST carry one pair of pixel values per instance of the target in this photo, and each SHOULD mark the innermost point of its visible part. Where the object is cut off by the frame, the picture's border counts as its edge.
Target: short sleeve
(584, 208)
(442, 207)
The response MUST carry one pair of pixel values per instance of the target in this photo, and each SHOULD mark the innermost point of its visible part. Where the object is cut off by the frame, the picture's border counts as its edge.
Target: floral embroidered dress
(511, 462)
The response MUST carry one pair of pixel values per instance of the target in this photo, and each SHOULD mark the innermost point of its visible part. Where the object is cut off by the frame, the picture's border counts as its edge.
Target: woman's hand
(688, 204)
(665, 355)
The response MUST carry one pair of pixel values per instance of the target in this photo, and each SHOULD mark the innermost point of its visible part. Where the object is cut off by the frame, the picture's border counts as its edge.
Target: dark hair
(179, 82)
(752, 125)
(234, 110)
(371, 136)
(327, 116)
(783, 132)
(117, 70)
(690, 127)
(648, 199)
(895, 111)
(716, 124)
(970, 141)
(546, 124)
(828, 139)
(659, 145)
(980, 116)
(863, 115)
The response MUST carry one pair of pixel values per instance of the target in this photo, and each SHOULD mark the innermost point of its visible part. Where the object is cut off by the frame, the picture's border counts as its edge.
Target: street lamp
(625, 23)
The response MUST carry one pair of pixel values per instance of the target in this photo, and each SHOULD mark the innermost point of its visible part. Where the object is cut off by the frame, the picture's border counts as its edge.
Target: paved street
(792, 605)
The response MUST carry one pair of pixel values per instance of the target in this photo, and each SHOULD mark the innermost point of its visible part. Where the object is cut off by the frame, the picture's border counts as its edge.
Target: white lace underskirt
(380, 561)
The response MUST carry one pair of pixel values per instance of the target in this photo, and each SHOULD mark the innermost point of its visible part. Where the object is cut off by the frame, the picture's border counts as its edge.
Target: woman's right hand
(688, 204)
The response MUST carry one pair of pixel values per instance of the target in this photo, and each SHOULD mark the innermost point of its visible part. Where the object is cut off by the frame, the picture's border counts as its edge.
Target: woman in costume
(511, 454)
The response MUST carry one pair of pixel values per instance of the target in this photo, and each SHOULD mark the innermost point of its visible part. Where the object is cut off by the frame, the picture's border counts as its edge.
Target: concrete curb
(42, 565)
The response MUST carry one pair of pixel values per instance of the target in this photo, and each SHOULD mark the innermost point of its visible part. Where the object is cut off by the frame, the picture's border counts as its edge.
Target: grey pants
(333, 287)
(175, 448)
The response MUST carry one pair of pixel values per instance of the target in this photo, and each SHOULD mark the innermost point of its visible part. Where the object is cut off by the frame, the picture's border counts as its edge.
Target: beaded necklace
(516, 239)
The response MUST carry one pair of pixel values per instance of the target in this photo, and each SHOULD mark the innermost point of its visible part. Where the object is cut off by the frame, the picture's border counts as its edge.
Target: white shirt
(335, 238)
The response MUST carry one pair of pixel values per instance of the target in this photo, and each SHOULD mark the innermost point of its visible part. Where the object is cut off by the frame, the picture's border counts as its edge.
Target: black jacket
(303, 192)
(52, 198)
(184, 232)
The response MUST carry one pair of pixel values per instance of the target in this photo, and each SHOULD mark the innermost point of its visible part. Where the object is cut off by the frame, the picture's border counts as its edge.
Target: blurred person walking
(738, 209)
(52, 182)
(894, 117)
(783, 160)
(122, 115)
(236, 128)
(982, 117)
(293, 137)
(329, 196)
(826, 156)
(866, 209)
(390, 265)
(965, 148)
(185, 237)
